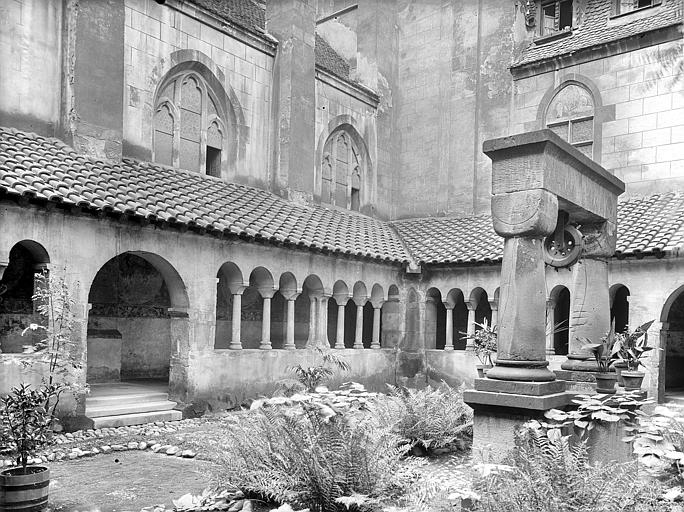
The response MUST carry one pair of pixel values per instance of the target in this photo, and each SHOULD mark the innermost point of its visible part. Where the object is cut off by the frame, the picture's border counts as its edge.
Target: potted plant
(484, 339)
(605, 354)
(28, 415)
(26, 427)
(631, 348)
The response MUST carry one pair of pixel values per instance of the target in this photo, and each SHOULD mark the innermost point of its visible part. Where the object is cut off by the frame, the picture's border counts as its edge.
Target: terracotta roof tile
(330, 60)
(47, 169)
(595, 29)
(646, 226)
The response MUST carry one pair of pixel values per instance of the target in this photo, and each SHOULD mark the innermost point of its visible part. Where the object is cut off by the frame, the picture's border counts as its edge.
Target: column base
(502, 407)
(449, 348)
(235, 346)
(526, 371)
(580, 363)
(265, 345)
(291, 346)
(358, 346)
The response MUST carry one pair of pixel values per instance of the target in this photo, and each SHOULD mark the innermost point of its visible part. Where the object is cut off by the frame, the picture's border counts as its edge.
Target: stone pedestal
(535, 176)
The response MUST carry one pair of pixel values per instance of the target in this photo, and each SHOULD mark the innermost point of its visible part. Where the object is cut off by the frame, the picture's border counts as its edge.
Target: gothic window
(571, 115)
(624, 6)
(341, 172)
(188, 130)
(556, 16)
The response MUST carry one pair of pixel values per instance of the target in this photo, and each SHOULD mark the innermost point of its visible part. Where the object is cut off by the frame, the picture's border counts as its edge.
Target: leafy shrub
(549, 474)
(430, 418)
(658, 441)
(311, 454)
(314, 376)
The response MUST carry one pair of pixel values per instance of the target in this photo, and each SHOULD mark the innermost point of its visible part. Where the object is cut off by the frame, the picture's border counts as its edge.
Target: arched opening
(570, 114)
(435, 320)
(367, 324)
(460, 318)
(230, 282)
(619, 307)
(561, 320)
(674, 342)
(136, 300)
(482, 308)
(27, 259)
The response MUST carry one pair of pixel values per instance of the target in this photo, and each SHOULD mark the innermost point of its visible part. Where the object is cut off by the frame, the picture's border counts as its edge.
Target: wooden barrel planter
(24, 492)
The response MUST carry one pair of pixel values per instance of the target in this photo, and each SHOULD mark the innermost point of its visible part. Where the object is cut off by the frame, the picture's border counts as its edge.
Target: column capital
(3, 266)
(360, 301)
(550, 303)
(341, 299)
(267, 292)
(494, 304)
(471, 305)
(237, 289)
(448, 305)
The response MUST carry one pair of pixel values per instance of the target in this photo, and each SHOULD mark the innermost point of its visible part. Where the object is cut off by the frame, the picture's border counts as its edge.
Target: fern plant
(548, 473)
(430, 418)
(311, 455)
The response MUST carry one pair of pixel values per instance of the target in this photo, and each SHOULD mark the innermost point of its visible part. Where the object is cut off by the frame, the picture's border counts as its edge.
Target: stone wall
(152, 33)
(31, 56)
(640, 124)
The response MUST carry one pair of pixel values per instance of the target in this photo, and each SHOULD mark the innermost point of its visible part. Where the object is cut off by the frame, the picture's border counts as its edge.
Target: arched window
(342, 172)
(189, 131)
(571, 115)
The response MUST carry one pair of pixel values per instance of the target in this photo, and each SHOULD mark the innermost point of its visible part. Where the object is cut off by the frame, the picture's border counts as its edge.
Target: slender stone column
(289, 337)
(313, 328)
(470, 343)
(358, 338)
(550, 323)
(339, 339)
(236, 319)
(590, 308)
(449, 340)
(322, 337)
(521, 353)
(494, 305)
(266, 325)
(377, 311)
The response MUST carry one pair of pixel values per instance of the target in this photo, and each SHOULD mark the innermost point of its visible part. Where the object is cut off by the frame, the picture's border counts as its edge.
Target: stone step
(133, 398)
(123, 420)
(121, 408)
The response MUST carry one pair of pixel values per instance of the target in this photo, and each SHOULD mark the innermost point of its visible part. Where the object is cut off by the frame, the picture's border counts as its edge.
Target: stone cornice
(601, 51)
(358, 91)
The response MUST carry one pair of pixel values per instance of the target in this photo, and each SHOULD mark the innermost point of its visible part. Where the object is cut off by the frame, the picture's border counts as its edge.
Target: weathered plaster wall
(642, 93)
(152, 33)
(31, 56)
(453, 94)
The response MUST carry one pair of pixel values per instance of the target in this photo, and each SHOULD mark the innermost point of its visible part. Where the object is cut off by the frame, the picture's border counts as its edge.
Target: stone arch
(138, 321)
(393, 293)
(671, 376)
(456, 300)
(353, 129)
(435, 320)
(18, 282)
(483, 310)
(600, 114)
(619, 307)
(227, 101)
(230, 281)
(558, 319)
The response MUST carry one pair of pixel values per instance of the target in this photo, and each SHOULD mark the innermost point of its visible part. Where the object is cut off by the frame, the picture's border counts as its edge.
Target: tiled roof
(444, 240)
(330, 60)
(251, 15)
(646, 226)
(43, 169)
(248, 14)
(595, 29)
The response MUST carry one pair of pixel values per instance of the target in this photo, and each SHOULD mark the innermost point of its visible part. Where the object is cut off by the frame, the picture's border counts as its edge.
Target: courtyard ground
(120, 481)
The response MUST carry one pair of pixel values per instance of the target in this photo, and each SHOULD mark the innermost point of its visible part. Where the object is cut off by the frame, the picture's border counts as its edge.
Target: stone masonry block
(660, 103)
(643, 123)
(661, 136)
(670, 152)
(670, 118)
(629, 109)
(613, 128)
(524, 212)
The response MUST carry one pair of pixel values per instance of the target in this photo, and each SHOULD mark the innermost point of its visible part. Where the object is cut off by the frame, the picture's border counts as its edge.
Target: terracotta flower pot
(632, 379)
(26, 492)
(605, 383)
(620, 366)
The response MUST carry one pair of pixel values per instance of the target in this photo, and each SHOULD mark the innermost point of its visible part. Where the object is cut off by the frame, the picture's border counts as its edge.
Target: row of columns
(472, 308)
(318, 320)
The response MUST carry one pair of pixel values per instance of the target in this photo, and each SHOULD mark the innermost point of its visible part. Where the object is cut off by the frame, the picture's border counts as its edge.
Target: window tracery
(188, 130)
(342, 172)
